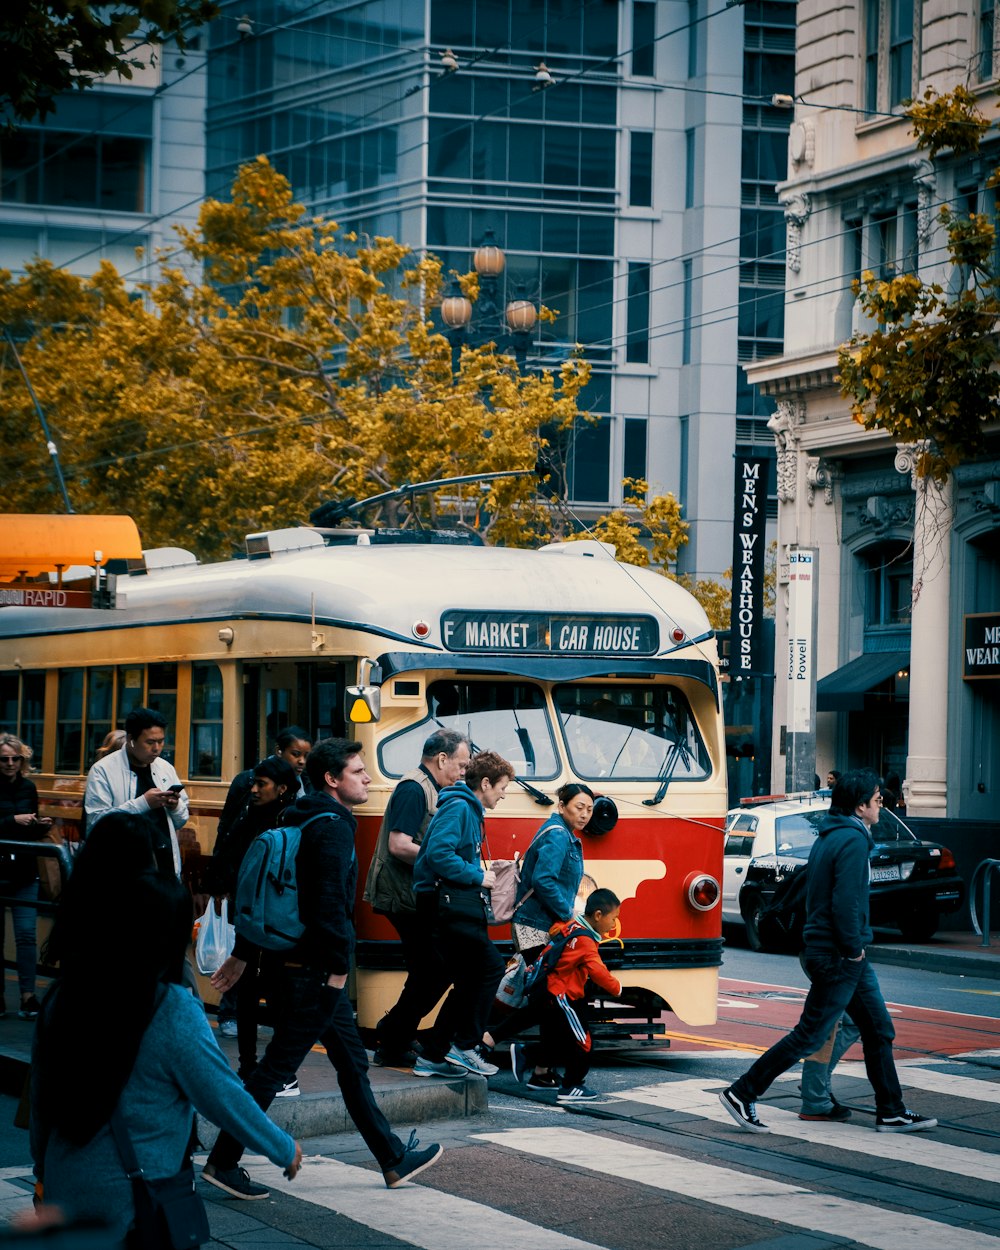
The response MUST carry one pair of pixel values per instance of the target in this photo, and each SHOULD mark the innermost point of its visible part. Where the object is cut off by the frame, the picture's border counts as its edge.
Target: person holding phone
(20, 822)
(137, 779)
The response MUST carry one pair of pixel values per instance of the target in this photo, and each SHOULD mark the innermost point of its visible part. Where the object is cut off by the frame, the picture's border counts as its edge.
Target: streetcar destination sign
(549, 633)
(38, 596)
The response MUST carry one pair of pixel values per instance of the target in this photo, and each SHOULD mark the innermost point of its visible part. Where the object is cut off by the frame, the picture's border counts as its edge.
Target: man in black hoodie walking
(310, 1002)
(836, 933)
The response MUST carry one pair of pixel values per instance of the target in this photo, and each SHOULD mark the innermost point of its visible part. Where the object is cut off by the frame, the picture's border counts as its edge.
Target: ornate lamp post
(519, 317)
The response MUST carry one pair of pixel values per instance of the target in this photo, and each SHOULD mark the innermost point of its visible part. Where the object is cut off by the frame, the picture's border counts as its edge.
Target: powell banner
(748, 658)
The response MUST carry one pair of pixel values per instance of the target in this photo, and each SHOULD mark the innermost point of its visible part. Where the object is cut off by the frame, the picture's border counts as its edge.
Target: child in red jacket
(565, 1041)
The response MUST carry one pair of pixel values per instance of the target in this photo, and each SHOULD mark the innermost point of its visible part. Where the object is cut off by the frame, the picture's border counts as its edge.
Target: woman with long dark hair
(150, 1053)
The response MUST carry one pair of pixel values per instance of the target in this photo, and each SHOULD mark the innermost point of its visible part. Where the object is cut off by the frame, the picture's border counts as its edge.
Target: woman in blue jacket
(552, 871)
(451, 888)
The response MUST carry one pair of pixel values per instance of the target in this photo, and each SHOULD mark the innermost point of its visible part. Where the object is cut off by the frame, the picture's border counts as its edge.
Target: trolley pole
(51, 447)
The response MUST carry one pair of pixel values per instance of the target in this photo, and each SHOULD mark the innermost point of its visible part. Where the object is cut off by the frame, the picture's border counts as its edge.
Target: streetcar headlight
(702, 891)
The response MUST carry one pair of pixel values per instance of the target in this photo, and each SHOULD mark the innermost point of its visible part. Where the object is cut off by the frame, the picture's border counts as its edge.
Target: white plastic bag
(214, 943)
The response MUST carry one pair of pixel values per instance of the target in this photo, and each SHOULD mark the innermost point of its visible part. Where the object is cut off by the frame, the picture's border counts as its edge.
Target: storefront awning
(44, 544)
(845, 688)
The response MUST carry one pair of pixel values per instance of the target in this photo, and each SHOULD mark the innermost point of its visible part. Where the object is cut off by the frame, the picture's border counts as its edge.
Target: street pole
(800, 738)
(50, 445)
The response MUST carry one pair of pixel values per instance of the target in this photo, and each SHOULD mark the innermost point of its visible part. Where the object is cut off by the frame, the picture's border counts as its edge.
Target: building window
(692, 38)
(74, 171)
(891, 53)
(689, 170)
(643, 35)
(634, 452)
(987, 39)
(637, 336)
(888, 575)
(640, 173)
(686, 326)
(590, 465)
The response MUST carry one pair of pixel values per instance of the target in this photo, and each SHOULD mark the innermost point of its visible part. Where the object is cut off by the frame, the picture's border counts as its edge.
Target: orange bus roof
(32, 544)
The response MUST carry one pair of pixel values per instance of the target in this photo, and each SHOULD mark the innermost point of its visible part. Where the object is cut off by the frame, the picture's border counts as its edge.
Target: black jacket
(327, 875)
(16, 798)
(838, 880)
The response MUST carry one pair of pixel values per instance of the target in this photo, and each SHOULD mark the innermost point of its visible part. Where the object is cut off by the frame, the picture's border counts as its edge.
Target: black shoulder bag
(169, 1214)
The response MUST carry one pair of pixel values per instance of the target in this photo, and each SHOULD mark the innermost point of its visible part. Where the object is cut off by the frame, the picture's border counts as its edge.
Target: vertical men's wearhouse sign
(747, 658)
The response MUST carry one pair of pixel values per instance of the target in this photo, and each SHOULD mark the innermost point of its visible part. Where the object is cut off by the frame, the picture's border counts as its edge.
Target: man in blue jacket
(310, 1002)
(836, 933)
(451, 888)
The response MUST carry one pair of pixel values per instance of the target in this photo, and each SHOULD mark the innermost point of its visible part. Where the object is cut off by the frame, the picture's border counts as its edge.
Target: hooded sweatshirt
(450, 849)
(838, 878)
(580, 961)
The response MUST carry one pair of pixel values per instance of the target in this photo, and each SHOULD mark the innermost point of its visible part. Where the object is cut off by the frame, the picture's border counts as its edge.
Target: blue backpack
(536, 979)
(267, 896)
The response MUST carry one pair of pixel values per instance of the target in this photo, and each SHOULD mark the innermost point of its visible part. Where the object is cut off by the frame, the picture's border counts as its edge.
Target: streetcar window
(206, 721)
(130, 686)
(635, 731)
(69, 721)
(100, 701)
(32, 728)
(508, 717)
(9, 700)
(161, 696)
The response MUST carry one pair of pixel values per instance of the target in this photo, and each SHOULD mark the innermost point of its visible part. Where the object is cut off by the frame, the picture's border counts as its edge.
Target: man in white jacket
(135, 779)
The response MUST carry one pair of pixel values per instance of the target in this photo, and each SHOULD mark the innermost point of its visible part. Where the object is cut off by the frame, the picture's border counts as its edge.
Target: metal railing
(34, 850)
(984, 870)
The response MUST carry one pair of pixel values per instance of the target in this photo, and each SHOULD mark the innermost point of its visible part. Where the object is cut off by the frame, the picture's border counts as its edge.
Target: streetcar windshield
(508, 717)
(635, 732)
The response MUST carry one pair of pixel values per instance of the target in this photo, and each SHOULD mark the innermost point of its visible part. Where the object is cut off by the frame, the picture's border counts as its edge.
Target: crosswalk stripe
(413, 1213)
(921, 1149)
(973, 1088)
(743, 1192)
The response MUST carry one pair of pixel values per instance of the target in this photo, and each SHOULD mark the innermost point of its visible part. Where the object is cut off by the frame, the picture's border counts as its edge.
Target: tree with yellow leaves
(274, 364)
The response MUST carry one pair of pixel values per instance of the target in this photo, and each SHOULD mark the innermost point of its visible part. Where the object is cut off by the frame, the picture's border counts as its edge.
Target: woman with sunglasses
(20, 822)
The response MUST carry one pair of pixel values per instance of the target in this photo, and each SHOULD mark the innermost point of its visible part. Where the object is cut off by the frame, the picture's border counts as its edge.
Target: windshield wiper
(677, 751)
(542, 799)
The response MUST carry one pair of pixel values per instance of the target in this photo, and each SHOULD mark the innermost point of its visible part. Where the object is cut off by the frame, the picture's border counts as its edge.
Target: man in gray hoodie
(836, 933)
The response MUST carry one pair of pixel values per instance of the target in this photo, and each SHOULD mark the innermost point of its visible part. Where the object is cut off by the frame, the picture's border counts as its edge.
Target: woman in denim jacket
(552, 871)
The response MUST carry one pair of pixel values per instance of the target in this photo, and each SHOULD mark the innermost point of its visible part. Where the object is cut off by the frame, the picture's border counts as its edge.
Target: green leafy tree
(928, 372)
(50, 46)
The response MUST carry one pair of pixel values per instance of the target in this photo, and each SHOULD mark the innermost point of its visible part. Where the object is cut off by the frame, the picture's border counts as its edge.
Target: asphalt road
(659, 1164)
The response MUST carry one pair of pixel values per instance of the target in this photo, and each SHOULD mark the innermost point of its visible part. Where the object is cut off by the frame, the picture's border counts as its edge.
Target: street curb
(965, 963)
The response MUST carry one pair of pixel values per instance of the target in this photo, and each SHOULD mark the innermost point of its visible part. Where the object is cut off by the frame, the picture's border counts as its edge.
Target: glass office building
(616, 192)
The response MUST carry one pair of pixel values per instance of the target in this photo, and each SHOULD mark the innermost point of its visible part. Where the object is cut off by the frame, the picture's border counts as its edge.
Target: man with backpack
(309, 976)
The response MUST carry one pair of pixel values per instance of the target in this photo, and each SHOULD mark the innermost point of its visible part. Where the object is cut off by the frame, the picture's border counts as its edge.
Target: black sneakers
(412, 1162)
(29, 1008)
(905, 1122)
(519, 1064)
(543, 1081)
(236, 1182)
(385, 1057)
(743, 1112)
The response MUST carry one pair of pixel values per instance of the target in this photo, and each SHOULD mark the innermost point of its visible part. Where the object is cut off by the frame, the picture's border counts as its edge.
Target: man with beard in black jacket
(309, 981)
(837, 930)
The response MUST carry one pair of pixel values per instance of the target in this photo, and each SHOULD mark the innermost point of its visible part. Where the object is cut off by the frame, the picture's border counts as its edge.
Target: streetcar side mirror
(363, 702)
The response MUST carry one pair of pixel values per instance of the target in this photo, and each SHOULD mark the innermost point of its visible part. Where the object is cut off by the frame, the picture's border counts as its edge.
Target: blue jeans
(817, 1097)
(836, 985)
(306, 1010)
(25, 924)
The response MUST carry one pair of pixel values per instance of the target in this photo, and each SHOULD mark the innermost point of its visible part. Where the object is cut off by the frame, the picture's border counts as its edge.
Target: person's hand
(489, 879)
(228, 974)
(293, 1168)
(25, 819)
(43, 822)
(337, 980)
(855, 959)
(157, 798)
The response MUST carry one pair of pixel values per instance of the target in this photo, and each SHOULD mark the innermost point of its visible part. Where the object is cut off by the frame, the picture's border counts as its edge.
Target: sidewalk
(956, 952)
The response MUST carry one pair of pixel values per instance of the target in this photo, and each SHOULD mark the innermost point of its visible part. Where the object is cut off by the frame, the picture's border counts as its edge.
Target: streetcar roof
(386, 587)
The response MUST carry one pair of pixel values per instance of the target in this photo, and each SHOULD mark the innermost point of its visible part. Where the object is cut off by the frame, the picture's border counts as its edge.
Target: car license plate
(891, 873)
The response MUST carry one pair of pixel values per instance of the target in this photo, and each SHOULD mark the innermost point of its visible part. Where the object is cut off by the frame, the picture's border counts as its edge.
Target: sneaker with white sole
(471, 1062)
(412, 1162)
(743, 1112)
(429, 1067)
(905, 1122)
(578, 1093)
(227, 1028)
(547, 1082)
(291, 1090)
(236, 1182)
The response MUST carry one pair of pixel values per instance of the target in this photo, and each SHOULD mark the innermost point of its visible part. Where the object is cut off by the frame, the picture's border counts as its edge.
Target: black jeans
(836, 985)
(426, 981)
(306, 1010)
(460, 943)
